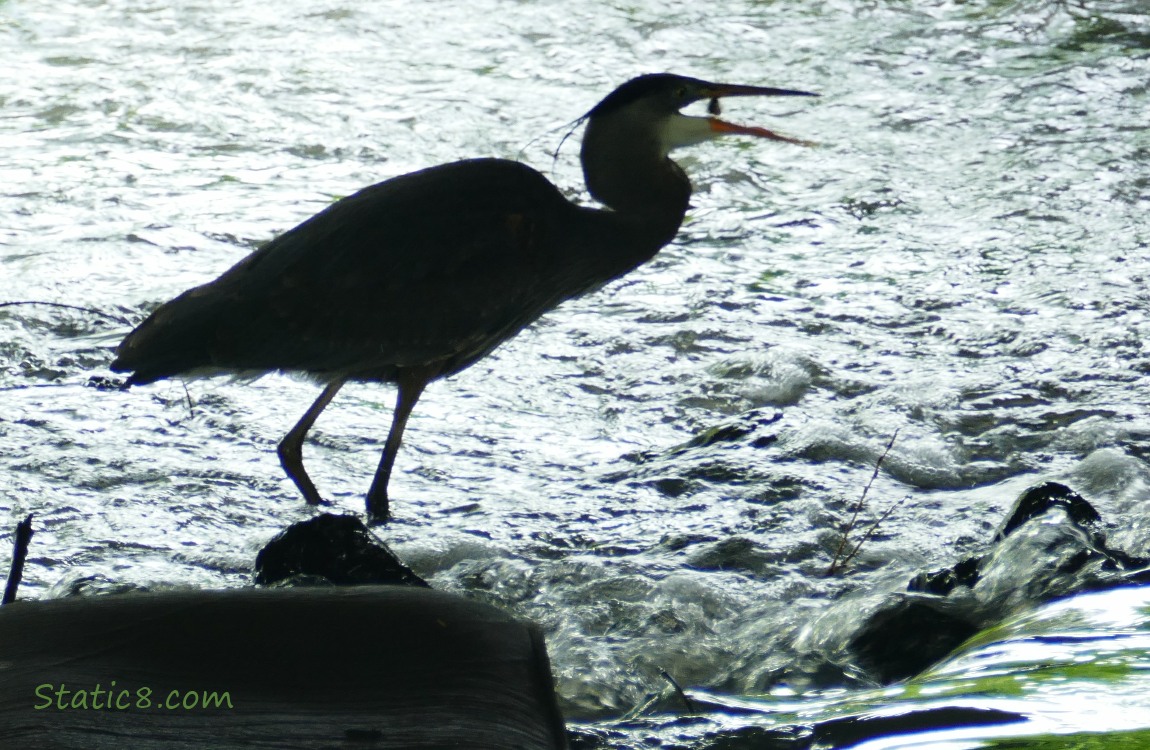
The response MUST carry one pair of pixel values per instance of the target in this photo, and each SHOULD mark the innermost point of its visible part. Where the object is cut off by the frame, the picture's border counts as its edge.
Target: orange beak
(723, 127)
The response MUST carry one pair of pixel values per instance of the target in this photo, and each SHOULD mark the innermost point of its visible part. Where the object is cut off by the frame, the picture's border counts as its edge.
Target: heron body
(418, 277)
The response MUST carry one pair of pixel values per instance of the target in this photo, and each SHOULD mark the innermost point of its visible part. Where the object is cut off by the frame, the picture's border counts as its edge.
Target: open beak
(722, 127)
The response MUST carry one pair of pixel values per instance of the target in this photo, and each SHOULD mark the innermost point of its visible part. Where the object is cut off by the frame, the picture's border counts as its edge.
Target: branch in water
(19, 554)
(839, 561)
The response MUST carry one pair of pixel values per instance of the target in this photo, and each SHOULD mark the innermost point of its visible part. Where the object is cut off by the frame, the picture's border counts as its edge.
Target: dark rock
(105, 383)
(1036, 501)
(735, 553)
(942, 582)
(334, 548)
(1066, 554)
(1082, 541)
(909, 635)
(744, 425)
(1027, 565)
(672, 486)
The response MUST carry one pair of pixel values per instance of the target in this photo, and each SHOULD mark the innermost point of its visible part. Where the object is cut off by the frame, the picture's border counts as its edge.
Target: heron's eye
(713, 107)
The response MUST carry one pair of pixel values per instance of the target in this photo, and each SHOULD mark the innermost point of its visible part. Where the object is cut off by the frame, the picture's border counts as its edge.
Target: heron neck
(627, 173)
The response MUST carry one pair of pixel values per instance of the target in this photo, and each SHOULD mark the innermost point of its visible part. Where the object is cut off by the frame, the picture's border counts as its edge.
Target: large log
(370, 667)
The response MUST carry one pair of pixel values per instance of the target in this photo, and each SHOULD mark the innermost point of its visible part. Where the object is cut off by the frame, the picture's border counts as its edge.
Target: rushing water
(962, 261)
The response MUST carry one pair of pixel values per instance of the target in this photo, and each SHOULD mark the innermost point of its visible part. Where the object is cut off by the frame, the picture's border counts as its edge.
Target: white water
(963, 260)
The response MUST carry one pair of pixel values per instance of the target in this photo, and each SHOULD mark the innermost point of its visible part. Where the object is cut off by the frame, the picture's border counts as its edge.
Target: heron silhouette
(420, 276)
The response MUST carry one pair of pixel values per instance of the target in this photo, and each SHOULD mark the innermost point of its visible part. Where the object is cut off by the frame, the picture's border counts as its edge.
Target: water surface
(962, 260)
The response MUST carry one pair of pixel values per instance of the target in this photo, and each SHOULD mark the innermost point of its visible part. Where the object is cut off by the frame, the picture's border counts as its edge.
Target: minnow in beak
(685, 130)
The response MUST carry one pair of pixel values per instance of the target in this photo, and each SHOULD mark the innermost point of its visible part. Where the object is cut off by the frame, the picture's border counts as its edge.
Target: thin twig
(19, 554)
(847, 528)
(836, 564)
(870, 531)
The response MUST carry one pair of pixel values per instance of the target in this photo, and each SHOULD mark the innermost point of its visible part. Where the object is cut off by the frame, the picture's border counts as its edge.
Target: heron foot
(378, 511)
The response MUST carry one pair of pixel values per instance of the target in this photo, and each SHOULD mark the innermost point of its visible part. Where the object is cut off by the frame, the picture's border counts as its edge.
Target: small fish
(713, 107)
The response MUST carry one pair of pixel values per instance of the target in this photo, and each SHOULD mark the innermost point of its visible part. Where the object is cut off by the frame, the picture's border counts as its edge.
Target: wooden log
(351, 667)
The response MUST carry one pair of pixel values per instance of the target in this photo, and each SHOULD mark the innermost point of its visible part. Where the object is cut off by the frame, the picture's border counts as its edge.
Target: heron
(418, 277)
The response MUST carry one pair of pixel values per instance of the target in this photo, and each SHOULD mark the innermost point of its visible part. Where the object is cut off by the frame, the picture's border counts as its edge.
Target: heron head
(654, 102)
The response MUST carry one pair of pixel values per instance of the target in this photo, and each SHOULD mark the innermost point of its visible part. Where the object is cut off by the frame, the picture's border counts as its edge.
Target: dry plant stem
(19, 554)
(837, 562)
(870, 532)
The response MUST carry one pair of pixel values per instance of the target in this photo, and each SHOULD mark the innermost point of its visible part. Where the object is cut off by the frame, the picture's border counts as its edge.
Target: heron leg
(411, 385)
(291, 447)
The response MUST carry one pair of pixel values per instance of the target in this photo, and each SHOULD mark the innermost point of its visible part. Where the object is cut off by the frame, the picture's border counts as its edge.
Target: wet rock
(1036, 501)
(672, 486)
(105, 383)
(942, 582)
(1049, 496)
(673, 471)
(736, 553)
(743, 426)
(1030, 563)
(1059, 552)
(907, 636)
(333, 550)
(1052, 544)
